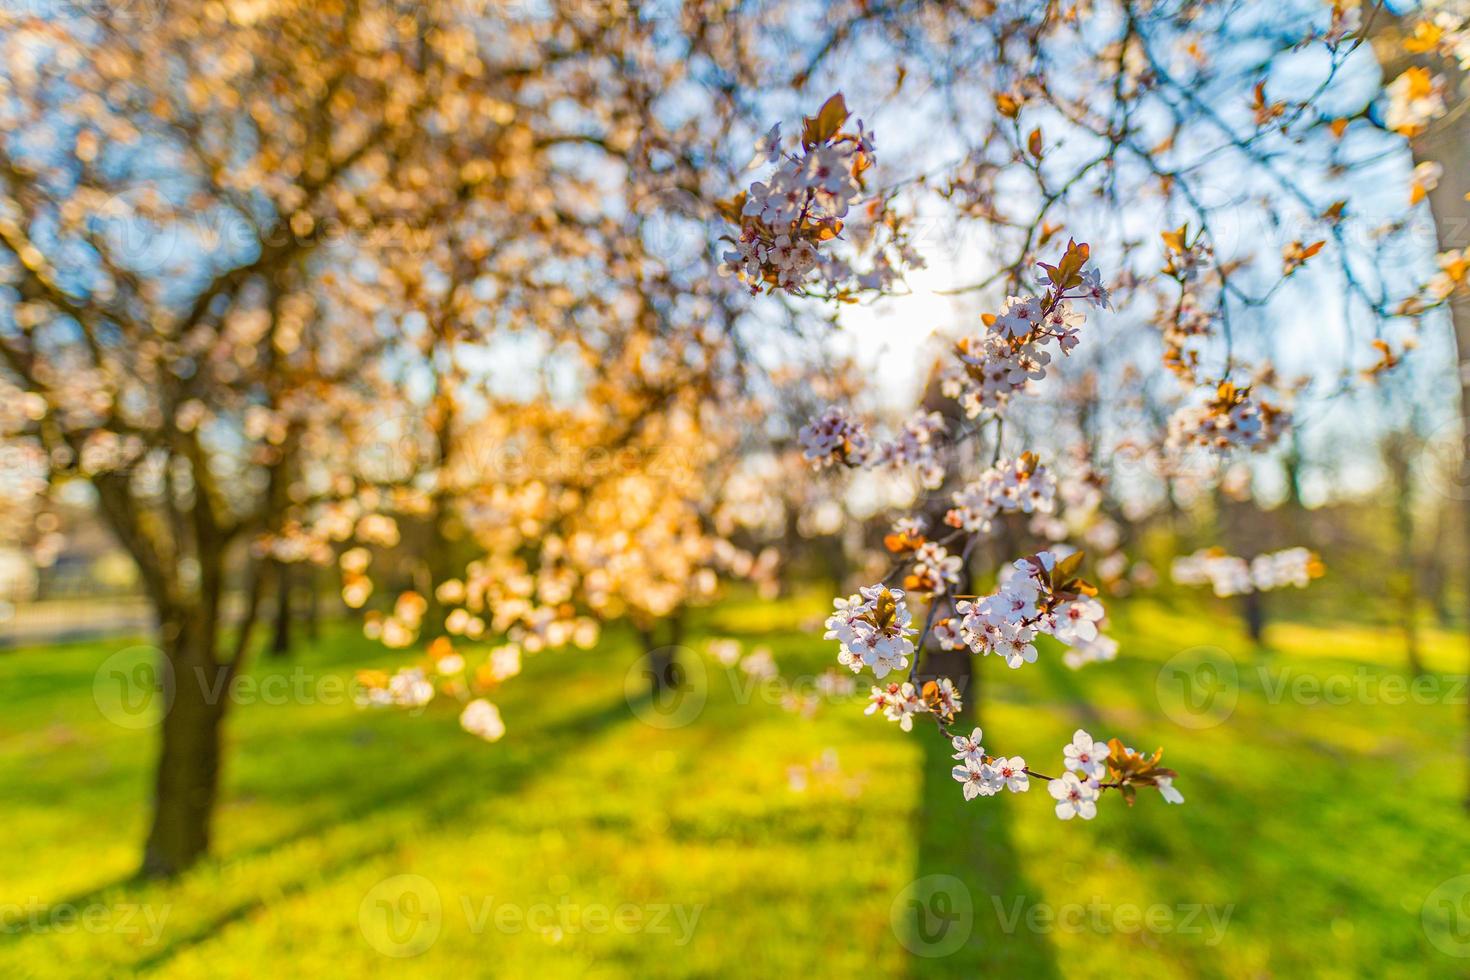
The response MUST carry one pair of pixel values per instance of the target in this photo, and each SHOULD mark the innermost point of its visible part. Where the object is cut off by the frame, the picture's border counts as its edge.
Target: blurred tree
(219, 227)
(240, 240)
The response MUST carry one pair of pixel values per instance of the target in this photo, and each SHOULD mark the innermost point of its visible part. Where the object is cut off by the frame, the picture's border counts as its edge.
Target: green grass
(1312, 835)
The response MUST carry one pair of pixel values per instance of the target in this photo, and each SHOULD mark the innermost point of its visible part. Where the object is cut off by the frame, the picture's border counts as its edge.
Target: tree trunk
(281, 636)
(661, 659)
(1240, 528)
(1399, 450)
(1253, 607)
(663, 671)
(1447, 142)
(313, 607)
(1450, 203)
(187, 777)
(1436, 574)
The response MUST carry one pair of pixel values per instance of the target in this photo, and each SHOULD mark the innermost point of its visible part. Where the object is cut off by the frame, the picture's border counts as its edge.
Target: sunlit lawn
(592, 843)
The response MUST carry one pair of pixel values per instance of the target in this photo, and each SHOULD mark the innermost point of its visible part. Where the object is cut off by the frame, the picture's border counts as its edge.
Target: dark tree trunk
(281, 635)
(1399, 452)
(313, 607)
(187, 777)
(661, 660)
(663, 670)
(1253, 608)
(1445, 143)
(1244, 530)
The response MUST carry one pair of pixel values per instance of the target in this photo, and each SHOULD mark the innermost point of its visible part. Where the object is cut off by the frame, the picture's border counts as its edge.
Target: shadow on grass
(437, 795)
(509, 780)
(971, 842)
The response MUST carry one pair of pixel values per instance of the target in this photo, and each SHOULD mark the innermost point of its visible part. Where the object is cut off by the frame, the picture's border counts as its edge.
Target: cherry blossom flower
(1086, 756)
(917, 448)
(1231, 418)
(505, 662)
(482, 718)
(725, 651)
(873, 629)
(767, 148)
(946, 633)
(1020, 317)
(1415, 99)
(1076, 621)
(409, 688)
(1228, 575)
(1102, 649)
(1021, 485)
(786, 220)
(834, 437)
(1027, 603)
(1011, 773)
(1074, 797)
(759, 664)
(968, 747)
(943, 698)
(898, 702)
(935, 569)
(1093, 289)
(978, 779)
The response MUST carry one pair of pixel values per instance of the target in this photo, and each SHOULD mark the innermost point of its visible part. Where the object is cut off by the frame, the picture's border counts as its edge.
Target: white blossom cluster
(482, 719)
(1415, 99)
(946, 633)
(935, 570)
(1077, 789)
(1186, 262)
(900, 702)
(1231, 419)
(874, 628)
(1452, 19)
(1014, 485)
(834, 437)
(991, 370)
(786, 217)
(982, 775)
(1229, 575)
(1454, 272)
(759, 664)
(1025, 605)
(408, 688)
(1100, 650)
(1037, 595)
(1012, 353)
(917, 447)
(1085, 762)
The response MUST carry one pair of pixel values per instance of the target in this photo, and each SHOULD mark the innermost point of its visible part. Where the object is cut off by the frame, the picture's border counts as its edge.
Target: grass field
(1322, 822)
